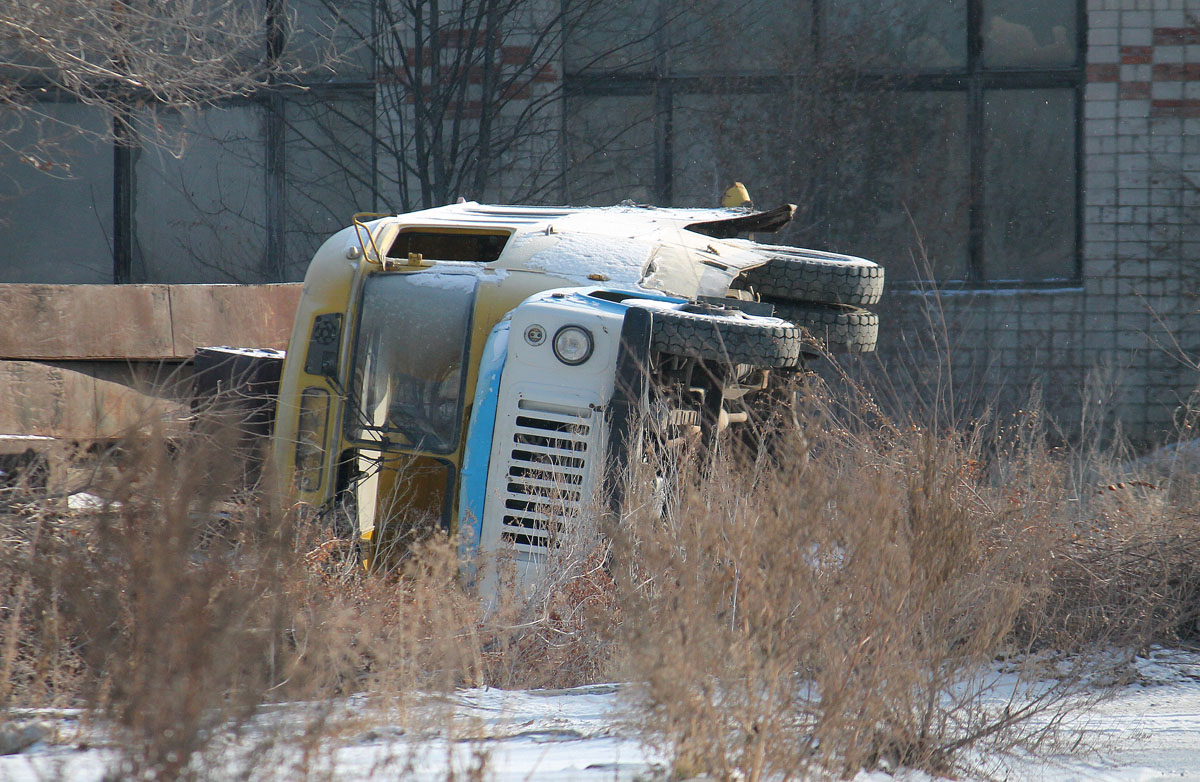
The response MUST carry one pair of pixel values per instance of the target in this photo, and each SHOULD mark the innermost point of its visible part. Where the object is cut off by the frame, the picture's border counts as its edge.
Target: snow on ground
(1149, 731)
(540, 734)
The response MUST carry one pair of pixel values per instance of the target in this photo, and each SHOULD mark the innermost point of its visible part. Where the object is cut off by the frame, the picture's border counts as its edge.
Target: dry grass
(184, 607)
(833, 596)
(838, 597)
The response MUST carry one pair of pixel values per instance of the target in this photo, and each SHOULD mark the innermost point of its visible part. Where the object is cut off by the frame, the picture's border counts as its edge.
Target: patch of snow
(577, 255)
(787, 251)
(251, 352)
(19, 736)
(443, 281)
(655, 304)
(1145, 734)
(1149, 731)
(84, 501)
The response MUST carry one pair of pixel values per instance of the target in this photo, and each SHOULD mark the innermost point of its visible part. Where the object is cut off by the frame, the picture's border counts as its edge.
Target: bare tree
(425, 101)
(128, 59)
(468, 93)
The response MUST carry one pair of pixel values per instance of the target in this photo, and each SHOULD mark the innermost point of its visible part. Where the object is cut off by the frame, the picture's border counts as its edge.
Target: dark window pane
(56, 168)
(738, 36)
(896, 33)
(415, 396)
(1029, 185)
(328, 171)
(1019, 33)
(897, 191)
(319, 28)
(610, 149)
(452, 245)
(612, 35)
(757, 139)
(200, 217)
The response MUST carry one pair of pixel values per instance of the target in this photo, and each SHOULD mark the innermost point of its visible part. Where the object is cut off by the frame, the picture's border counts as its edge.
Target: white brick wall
(1139, 304)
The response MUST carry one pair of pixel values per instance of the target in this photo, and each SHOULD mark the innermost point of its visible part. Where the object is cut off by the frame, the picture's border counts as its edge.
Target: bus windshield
(410, 359)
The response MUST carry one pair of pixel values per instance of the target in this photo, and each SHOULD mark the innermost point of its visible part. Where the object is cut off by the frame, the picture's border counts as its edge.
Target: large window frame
(974, 78)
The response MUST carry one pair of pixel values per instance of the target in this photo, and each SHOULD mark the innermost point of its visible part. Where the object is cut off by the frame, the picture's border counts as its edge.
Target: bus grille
(547, 473)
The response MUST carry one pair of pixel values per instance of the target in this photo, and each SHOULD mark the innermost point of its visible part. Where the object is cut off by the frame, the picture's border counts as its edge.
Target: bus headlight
(573, 345)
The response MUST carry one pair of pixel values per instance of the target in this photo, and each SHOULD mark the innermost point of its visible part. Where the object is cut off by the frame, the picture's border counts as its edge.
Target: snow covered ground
(1149, 731)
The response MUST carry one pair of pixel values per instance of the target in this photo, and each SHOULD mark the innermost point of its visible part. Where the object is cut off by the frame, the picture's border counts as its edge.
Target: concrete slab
(85, 321)
(75, 404)
(258, 316)
(141, 322)
(45, 400)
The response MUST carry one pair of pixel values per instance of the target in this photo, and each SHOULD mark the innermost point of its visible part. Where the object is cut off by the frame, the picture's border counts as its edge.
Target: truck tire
(726, 335)
(811, 275)
(838, 328)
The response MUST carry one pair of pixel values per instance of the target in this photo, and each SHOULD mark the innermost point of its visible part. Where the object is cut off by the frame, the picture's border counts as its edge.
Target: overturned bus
(485, 368)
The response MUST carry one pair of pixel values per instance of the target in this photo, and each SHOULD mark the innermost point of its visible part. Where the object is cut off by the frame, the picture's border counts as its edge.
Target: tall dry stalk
(833, 596)
(838, 600)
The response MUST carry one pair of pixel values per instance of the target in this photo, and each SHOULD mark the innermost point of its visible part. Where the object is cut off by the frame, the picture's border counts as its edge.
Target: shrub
(836, 597)
(181, 608)
(844, 590)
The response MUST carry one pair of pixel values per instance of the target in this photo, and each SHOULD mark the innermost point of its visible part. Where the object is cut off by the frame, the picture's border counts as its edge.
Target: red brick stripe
(1177, 72)
(1103, 73)
(1136, 55)
(1176, 36)
(1175, 108)
(1134, 90)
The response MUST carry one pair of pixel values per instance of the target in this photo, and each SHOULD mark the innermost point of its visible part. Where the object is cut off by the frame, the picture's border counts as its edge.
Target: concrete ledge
(252, 316)
(89, 401)
(141, 322)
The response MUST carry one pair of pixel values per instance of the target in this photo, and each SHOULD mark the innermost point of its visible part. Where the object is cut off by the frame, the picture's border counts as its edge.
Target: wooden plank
(141, 322)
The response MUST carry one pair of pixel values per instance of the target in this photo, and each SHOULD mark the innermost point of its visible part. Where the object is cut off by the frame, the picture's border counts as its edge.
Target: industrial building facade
(1028, 172)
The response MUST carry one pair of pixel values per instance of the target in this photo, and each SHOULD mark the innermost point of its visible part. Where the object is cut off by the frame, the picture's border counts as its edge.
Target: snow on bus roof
(526, 217)
(643, 246)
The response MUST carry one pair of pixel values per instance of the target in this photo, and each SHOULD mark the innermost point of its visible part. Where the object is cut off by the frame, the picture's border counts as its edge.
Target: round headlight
(573, 345)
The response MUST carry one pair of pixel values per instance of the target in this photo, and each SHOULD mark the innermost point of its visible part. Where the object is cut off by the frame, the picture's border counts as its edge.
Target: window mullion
(975, 146)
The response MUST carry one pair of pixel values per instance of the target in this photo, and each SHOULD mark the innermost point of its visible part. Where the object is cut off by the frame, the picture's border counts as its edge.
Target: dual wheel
(825, 293)
(817, 296)
(725, 335)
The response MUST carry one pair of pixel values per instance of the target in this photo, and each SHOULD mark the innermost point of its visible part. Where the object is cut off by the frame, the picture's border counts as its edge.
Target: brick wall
(1139, 304)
